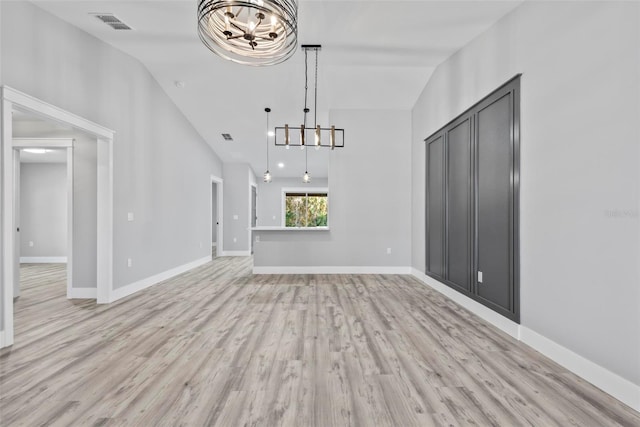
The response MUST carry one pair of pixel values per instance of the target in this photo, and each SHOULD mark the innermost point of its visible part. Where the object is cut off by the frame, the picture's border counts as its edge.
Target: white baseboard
(497, 320)
(43, 259)
(132, 288)
(332, 270)
(2, 343)
(618, 387)
(611, 383)
(235, 253)
(82, 293)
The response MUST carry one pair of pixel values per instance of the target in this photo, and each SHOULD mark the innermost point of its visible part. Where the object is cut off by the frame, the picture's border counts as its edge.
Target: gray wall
(162, 166)
(237, 198)
(43, 209)
(580, 178)
(369, 200)
(270, 197)
(85, 212)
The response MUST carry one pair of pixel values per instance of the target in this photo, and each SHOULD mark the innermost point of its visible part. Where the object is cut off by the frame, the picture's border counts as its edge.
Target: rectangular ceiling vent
(227, 137)
(112, 21)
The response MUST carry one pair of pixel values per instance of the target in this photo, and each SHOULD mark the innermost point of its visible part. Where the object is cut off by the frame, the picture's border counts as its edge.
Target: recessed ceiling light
(271, 133)
(179, 84)
(280, 165)
(35, 150)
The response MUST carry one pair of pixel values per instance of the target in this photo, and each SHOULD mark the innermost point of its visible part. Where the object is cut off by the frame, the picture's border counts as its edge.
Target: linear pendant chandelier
(330, 137)
(253, 32)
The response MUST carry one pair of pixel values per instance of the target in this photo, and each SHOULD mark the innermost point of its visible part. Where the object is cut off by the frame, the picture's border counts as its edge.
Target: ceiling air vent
(111, 21)
(227, 137)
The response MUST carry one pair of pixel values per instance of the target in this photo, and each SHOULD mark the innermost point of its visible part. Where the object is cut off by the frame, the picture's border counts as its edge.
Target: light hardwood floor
(220, 346)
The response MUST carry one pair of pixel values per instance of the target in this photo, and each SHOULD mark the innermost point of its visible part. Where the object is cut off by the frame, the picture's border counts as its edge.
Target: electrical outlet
(235, 217)
(129, 263)
(200, 244)
(235, 240)
(130, 216)
(274, 217)
(257, 239)
(388, 251)
(30, 244)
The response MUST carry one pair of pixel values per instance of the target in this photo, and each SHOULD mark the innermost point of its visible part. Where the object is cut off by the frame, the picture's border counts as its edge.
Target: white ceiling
(375, 55)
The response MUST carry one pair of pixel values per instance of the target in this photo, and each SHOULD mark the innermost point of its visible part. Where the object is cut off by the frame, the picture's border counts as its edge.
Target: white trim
(609, 382)
(82, 293)
(497, 320)
(235, 253)
(132, 288)
(331, 270)
(69, 220)
(43, 259)
(2, 344)
(214, 244)
(8, 224)
(44, 109)
(42, 142)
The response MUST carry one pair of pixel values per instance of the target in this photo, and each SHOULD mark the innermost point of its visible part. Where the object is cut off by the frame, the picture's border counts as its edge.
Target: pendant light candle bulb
(267, 176)
(306, 178)
(318, 137)
(286, 136)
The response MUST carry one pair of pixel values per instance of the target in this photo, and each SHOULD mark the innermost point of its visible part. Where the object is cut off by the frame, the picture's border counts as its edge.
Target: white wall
(43, 209)
(162, 167)
(237, 207)
(369, 200)
(270, 198)
(580, 166)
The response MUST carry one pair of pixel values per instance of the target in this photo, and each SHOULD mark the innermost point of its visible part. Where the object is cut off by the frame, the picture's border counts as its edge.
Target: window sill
(277, 228)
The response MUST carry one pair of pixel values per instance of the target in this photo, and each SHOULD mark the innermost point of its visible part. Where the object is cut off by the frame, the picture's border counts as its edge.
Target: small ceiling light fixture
(333, 137)
(249, 32)
(267, 174)
(280, 165)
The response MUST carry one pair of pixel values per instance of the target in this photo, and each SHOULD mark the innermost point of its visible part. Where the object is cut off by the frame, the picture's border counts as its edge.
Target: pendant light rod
(267, 174)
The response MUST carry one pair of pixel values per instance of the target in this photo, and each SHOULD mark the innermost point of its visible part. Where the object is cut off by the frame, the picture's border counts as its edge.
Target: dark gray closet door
(494, 166)
(459, 211)
(435, 206)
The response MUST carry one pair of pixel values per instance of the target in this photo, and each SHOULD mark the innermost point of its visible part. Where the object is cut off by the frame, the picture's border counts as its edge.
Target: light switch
(130, 216)
(479, 276)
(235, 217)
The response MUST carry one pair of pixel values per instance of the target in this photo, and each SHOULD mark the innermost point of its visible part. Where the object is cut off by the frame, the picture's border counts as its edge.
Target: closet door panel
(435, 206)
(494, 235)
(459, 208)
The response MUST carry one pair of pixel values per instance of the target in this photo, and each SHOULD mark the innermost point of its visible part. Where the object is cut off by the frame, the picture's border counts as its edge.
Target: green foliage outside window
(306, 210)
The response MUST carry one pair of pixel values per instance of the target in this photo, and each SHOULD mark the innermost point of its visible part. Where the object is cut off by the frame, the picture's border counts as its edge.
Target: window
(305, 209)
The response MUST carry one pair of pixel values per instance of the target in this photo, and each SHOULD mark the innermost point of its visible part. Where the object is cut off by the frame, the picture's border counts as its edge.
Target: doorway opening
(43, 207)
(217, 229)
(100, 141)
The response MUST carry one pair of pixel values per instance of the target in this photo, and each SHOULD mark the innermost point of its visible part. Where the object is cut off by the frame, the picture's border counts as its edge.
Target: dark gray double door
(472, 190)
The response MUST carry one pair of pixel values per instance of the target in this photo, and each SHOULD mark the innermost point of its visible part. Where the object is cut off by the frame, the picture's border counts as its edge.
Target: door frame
(11, 99)
(219, 212)
(67, 144)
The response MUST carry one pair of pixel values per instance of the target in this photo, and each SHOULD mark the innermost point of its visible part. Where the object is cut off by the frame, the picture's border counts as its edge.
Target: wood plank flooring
(220, 346)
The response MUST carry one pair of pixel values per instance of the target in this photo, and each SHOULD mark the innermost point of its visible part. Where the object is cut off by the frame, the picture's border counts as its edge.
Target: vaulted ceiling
(375, 55)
